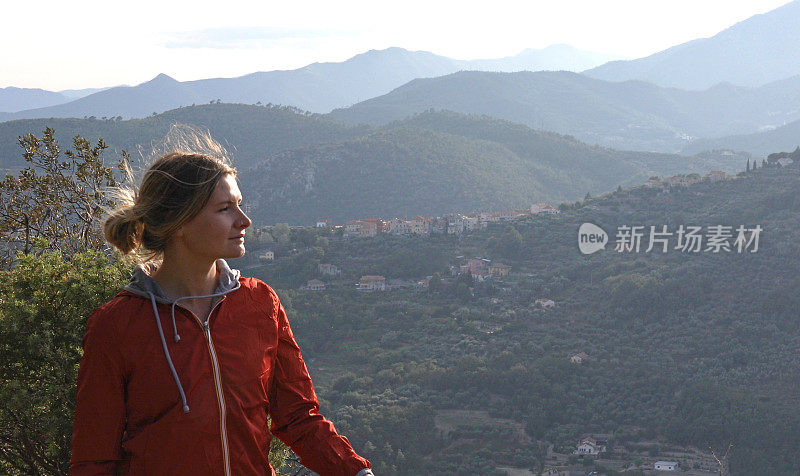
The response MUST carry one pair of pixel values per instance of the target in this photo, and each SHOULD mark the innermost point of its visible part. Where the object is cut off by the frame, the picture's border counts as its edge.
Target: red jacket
(131, 410)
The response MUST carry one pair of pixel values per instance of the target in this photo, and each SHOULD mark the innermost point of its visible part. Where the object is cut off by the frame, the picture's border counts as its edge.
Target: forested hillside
(683, 349)
(249, 132)
(298, 167)
(442, 162)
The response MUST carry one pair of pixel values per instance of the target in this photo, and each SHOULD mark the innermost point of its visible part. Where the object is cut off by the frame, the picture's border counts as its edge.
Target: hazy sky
(79, 44)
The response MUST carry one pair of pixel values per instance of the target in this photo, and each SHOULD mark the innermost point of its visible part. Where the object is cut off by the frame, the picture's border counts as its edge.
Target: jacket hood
(143, 284)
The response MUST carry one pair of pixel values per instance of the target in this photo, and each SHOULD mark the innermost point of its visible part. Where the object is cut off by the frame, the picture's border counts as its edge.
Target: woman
(183, 367)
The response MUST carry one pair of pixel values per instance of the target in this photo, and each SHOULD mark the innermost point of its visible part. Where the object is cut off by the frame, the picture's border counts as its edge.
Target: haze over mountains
(759, 50)
(18, 99)
(318, 87)
(625, 115)
(784, 138)
(744, 80)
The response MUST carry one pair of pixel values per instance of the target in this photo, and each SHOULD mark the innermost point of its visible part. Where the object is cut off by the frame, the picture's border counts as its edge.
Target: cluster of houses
(453, 223)
(480, 269)
(685, 180)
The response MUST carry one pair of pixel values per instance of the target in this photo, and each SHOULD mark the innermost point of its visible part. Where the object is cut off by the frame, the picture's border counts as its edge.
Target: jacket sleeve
(294, 409)
(100, 403)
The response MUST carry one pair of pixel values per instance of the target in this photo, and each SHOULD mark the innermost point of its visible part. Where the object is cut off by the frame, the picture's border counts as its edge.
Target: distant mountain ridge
(19, 99)
(760, 144)
(754, 52)
(318, 87)
(631, 115)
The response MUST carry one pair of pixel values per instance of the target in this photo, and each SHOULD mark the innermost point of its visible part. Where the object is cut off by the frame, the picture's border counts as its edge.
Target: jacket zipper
(218, 385)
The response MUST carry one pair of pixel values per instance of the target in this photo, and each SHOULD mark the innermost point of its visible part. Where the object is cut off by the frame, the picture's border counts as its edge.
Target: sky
(77, 44)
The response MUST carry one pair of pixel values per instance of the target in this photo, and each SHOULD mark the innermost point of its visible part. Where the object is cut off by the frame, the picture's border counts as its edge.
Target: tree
(46, 301)
(510, 244)
(55, 204)
(435, 283)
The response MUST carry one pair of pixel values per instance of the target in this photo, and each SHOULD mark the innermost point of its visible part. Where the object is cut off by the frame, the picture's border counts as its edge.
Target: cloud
(247, 37)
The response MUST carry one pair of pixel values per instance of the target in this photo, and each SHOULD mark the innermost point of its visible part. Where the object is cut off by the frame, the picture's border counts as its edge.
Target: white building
(315, 285)
(579, 358)
(543, 208)
(589, 446)
(371, 283)
(665, 466)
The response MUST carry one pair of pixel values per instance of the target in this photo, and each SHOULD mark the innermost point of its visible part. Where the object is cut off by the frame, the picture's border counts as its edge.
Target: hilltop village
(452, 224)
(479, 268)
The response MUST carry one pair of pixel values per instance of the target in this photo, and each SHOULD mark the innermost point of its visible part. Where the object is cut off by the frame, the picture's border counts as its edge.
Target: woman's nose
(244, 220)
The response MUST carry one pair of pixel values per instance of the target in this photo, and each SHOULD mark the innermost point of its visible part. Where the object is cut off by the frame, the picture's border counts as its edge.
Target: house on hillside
(665, 466)
(371, 227)
(353, 227)
(397, 226)
(653, 182)
(537, 208)
(498, 269)
(477, 265)
(589, 446)
(420, 225)
(684, 180)
(268, 255)
(315, 285)
(579, 358)
(323, 222)
(371, 283)
(545, 303)
(457, 224)
(716, 175)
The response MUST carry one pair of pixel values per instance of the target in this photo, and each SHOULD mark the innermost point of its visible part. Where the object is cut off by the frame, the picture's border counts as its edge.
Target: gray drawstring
(178, 337)
(166, 351)
(175, 326)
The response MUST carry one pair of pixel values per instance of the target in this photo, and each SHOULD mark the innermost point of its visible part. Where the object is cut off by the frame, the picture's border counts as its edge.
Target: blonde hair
(173, 190)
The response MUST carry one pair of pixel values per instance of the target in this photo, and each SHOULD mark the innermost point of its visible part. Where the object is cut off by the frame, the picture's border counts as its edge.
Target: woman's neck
(180, 278)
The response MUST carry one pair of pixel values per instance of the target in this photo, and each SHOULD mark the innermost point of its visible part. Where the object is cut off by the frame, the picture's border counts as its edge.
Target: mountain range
(318, 87)
(18, 99)
(623, 115)
(761, 144)
(744, 80)
(762, 49)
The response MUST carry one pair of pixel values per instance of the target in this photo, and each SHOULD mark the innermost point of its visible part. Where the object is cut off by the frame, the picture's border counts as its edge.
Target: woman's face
(218, 230)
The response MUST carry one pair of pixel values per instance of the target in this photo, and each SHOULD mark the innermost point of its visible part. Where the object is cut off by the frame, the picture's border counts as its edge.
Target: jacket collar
(143, 284)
